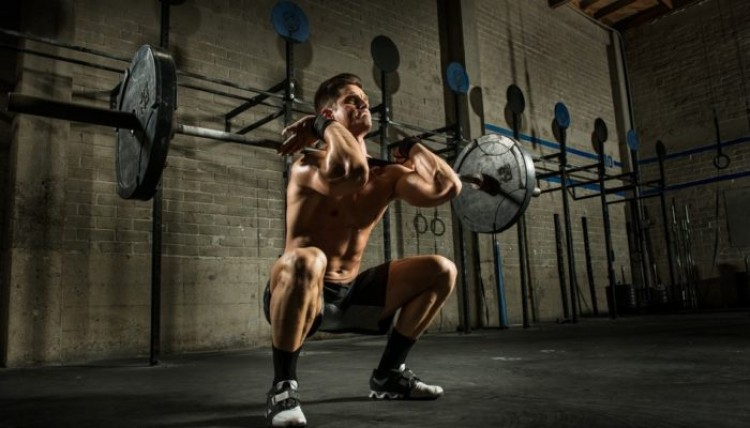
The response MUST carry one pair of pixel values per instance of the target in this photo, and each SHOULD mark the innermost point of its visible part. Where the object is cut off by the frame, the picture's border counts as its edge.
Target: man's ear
(327, 112)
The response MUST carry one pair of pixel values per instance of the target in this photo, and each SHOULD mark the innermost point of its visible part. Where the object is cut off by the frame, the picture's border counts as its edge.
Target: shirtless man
(334, 200)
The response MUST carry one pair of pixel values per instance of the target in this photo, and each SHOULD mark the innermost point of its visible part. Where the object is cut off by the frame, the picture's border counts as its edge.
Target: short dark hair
(329, 90)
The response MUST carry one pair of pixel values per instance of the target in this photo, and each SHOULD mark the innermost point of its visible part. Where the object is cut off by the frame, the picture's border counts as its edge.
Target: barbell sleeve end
(38, 106)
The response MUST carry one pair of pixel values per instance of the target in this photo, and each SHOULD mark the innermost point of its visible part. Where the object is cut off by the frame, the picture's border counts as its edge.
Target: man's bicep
(414, 190)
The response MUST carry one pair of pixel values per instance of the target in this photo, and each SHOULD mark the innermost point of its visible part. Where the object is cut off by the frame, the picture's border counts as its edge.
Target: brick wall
(552, 55)
(683, 68)
(80, 260)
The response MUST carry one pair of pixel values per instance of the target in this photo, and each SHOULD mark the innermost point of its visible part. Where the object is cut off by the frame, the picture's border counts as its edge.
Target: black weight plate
(508, 180)
(290, 22)
(149, 91)
(516, 100)
(600, 130)
(385, 54)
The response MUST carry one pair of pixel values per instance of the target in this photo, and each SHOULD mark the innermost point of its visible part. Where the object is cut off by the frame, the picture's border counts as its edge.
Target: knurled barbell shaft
(38, 106)
(198, 131)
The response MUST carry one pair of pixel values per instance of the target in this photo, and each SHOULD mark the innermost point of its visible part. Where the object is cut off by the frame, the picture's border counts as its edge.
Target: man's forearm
(344, 165)
(433, 169)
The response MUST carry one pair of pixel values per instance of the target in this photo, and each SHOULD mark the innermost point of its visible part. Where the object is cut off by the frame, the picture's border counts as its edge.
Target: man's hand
(400, 153)
(298, 135)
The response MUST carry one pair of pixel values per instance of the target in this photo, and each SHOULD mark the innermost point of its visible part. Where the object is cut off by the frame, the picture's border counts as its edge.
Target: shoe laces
(284, 394)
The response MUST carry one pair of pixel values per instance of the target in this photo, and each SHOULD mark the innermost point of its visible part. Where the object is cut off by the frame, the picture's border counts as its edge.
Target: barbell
(499, 174)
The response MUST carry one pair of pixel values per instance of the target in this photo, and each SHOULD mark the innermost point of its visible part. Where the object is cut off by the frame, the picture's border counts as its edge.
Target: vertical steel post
(561, 267)
(384, 120)
(156, 232)
(459, 135)
(589, 267)
(288, 106)
(639, 229)
(665, 225)
(607, 233)
(502, 306)
(522, 257)
(572, 279)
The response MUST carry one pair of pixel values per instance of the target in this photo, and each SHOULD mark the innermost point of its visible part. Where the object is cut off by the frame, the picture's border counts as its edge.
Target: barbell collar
(489, 185)
(29, 104)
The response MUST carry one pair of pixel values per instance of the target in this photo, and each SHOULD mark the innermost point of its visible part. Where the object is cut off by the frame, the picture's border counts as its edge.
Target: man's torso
(339, 226)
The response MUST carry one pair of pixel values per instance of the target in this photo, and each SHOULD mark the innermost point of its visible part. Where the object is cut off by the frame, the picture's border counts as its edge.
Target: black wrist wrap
(405, 147)
(320, 124)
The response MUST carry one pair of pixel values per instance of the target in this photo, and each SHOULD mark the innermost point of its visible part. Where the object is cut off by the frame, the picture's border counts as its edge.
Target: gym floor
(679, 370)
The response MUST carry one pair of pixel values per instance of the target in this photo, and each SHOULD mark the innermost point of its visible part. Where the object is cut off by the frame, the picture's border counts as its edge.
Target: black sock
(284, 365)
(395, 352)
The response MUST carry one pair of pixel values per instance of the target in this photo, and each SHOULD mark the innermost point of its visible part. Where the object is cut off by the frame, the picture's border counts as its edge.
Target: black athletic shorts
(354, 307)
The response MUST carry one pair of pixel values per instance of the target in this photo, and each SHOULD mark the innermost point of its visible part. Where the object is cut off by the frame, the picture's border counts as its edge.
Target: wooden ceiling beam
(585, 4)
(642, 17)
(557, 3)
(612, 8)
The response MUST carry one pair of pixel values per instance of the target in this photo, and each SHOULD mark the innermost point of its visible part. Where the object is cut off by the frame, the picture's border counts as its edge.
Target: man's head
(343, 99)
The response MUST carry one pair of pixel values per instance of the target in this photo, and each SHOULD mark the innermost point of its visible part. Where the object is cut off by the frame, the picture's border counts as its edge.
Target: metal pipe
(60, 44)
(502, 306)
(607, 235)
(561, 267)
(156, 228)
(578, 168)
(638, 229)
(589, 267)
(426, 131)
(183, 73)
(424, 135)
(665, 224)
(197, 131)
(573, 280)
(549, 156)
(619, 201)
(458, 135)
(254, 101)
(522, 249)
(60, 58)
(288, 102)
(257, 124)
(385, 154)
(466, 319)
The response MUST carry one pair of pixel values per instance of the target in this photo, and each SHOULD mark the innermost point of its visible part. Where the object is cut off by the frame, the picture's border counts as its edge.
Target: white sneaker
(283, 406)
(402, 384)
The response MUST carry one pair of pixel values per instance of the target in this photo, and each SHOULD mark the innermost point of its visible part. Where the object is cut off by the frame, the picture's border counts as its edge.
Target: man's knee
(302, 269)
(446, 273)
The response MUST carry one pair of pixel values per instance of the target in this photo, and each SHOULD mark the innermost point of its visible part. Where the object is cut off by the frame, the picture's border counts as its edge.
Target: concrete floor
(690, 370)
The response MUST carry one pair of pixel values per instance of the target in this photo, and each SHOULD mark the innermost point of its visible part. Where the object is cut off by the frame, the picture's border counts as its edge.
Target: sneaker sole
(396, 396)
(386, 395)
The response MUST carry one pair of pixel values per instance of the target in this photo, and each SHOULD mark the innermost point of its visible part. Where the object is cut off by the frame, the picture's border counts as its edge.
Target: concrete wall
(79, 257)
(682, 68)
(9, 17)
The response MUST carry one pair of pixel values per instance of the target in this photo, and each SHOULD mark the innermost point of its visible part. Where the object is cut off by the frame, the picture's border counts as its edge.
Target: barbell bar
(500, 174)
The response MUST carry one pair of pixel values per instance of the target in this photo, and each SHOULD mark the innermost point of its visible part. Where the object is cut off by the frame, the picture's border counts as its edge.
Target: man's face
(352, 109)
